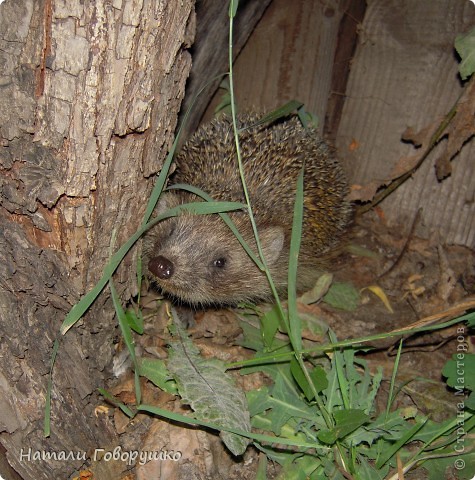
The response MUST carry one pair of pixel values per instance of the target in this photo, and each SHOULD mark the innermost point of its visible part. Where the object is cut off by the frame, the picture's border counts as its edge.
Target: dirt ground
(420, 277)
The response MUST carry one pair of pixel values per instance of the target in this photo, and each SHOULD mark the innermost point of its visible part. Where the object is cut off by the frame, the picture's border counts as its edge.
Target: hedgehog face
(197, 259)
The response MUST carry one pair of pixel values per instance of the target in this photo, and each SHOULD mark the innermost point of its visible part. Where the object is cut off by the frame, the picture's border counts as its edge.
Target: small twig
(405, 247)
(452, 312)
(420, 348)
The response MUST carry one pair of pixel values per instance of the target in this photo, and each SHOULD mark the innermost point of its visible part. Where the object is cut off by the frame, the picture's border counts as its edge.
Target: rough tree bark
(89, 97)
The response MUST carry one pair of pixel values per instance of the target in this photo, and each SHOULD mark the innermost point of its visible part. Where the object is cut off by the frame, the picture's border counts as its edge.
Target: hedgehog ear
(272, 239)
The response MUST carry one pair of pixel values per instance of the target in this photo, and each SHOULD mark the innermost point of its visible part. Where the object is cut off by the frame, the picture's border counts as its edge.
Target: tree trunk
(90, 93)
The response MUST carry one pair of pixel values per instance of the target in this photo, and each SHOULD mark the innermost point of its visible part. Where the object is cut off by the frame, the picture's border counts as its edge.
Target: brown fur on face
(197, 259)
(203, 264)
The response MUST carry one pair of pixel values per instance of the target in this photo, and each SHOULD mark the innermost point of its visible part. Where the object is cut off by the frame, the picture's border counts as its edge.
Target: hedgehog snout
(161, 267)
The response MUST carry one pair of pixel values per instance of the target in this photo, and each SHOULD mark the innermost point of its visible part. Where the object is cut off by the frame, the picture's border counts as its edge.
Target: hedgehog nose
(161, 267)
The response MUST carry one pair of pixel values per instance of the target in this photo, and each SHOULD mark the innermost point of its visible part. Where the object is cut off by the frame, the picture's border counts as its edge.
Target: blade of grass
(128, 337)
(400, 443)
(351, 342)
(232, 12)
(338, 362)
(295, 324)
(193, 421)
(110, 398)
(342, 381)
(78, 310)
(282, 111)
(468, 419)
(226, 218)
(391, 396)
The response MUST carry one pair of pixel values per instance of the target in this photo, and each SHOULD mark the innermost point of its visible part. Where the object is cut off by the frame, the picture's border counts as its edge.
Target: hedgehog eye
(219, 262)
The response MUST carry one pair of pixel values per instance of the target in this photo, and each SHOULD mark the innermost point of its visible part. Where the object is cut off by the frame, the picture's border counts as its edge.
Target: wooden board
(404, 73)
(289, 56)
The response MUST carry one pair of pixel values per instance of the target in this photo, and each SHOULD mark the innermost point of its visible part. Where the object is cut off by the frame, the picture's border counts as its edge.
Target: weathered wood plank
(289, 56)
(404, 73)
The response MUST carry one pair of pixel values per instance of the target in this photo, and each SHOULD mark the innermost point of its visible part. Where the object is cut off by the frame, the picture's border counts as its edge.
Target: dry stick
(405, 247)
(436, 137)
(452, 312)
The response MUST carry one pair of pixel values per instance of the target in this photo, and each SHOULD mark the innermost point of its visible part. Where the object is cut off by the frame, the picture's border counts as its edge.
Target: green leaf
(392, 426)
(319, 379)
(346, 421)
(367, 472)
(210, 392)
(251, 337)
(465, 465)
(307, 119)
(460, 371)
(259, 401)
(465, 46)
(284, 402)
(270, 325)
(470, 402)
(301, 379)
(233, 6)
(224, 105)
(262, 468)
(156, 371)
(135, 320)
(305, 467)
(443, 432)
(407, 437)
(128, 337)
(333, 470)
(343, 296)
(278, 113)
(469, 318)
(317, 375)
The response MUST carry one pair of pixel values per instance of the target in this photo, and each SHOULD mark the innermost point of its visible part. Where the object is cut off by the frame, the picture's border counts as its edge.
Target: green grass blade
(339, 359)
(233, 6)
(110, 398)
(351, 342)
(391, 395)
(128, 337)
(254, 436)
(400, 443)
(86, 301)
(226, 218)
(295, 324)
(282, 111)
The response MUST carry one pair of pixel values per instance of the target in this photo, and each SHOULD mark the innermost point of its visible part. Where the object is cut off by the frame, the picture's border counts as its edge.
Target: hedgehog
(196, 259)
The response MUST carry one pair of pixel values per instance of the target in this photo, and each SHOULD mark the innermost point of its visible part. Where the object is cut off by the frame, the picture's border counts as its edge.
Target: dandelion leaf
(211, 393)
